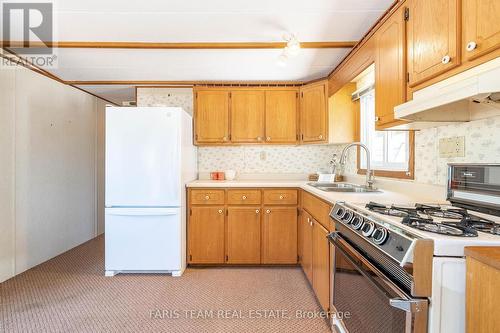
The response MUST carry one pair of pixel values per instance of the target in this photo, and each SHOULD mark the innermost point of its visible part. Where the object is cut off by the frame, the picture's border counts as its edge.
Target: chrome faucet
(369, 172)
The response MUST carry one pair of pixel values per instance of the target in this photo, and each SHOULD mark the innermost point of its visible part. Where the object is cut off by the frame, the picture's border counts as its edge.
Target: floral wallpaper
(178, 97)
(271, 159)
(482, 145)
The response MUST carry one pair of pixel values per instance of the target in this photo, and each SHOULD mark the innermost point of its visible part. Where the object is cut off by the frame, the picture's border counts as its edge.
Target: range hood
(470, 95)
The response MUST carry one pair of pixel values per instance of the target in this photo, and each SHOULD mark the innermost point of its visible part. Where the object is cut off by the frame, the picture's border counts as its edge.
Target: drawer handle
(446, 59)
(224, 138)
(268, 211)
(244, 197)
(257, 211)
(207, 197)
(281, 197)
(259, 138)
(471, 46)
(320, 136)
(220, 211)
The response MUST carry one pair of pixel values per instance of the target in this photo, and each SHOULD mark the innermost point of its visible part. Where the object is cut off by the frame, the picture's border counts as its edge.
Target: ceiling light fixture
(291, 49)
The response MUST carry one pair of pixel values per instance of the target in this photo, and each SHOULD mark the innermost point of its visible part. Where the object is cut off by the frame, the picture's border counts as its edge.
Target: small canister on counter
(217, 175)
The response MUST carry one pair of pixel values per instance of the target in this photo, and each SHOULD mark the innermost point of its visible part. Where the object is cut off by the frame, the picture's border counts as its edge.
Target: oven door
(365, 300)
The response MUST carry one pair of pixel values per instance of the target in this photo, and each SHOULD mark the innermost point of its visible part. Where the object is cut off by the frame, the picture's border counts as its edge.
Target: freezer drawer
(143, 239)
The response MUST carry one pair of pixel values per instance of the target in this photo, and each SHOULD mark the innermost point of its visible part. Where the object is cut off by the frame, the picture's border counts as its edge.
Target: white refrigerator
(149, 158)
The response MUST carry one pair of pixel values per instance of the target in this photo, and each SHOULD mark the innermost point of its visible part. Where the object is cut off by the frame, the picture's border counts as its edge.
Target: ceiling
(203, 21)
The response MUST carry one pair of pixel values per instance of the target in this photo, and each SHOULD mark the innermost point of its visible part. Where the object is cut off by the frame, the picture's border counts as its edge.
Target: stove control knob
(340, 212)
(380, 236)
(357, 222)
(368, 229)
(347, 217)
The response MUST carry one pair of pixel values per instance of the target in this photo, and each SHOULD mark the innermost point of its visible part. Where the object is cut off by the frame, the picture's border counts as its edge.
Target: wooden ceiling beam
(179, 46)
(186, 83)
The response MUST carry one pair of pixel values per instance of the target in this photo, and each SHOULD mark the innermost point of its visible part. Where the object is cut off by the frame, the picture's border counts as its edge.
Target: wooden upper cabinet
(206, 235)
(314, 112)
(481, 27)
(243, 235)
(281, 116)
(343, 116)
(247, 116)
(390, 69)
(433, 38)
(279, 235)
(211, 116)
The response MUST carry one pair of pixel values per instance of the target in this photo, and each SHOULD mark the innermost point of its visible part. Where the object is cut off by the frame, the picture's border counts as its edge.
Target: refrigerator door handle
(142, 211)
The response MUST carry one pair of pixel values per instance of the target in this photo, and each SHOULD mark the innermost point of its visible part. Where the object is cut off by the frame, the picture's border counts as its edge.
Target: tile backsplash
(482, 145)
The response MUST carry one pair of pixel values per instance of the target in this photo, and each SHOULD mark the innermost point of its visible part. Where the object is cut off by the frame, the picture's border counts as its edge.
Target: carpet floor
(70, 294)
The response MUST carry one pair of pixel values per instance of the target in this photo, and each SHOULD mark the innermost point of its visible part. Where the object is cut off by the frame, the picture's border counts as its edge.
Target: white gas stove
(408, 258)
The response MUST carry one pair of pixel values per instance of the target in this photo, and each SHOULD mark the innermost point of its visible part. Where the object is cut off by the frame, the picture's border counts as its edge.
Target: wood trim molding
(410, 174)
(180, 46)
(187, 84)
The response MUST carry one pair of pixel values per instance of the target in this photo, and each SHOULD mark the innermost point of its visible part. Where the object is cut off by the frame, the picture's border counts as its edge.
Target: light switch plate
(452, 147)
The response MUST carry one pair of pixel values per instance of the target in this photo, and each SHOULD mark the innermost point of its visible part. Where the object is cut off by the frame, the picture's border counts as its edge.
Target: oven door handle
(402, 303)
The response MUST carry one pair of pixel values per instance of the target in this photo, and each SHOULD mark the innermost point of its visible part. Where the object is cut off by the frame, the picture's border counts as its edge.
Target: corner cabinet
(314, 112)
(390, 69)
(433, 38)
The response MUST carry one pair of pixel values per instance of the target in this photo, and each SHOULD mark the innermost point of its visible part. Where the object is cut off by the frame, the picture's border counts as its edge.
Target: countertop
(489, 255)
(411, 195)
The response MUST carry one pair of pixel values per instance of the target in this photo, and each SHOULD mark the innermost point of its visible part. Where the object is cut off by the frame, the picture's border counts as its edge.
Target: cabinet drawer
(319, 209)
(243, 197)
(280, 197)
(207, 197)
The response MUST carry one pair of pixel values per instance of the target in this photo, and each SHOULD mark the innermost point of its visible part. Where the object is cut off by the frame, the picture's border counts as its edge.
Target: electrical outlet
(263, 156)
(452, 147)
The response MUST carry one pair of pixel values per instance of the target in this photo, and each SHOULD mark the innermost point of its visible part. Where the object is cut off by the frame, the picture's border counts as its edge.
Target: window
(390, 150)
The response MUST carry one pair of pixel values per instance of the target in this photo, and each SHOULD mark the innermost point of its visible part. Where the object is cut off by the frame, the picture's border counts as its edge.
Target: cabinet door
(390, 71)
(433, 38)
(211, 116)
(243, 235)
(279, 235)
(313, 113)
(206, 235)
(247, 116)
(306, 245)
(481, 27)
(321, 265)
(281, 116)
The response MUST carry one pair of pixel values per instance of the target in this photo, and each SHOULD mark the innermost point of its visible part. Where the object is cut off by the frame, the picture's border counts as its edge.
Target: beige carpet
(70, 294)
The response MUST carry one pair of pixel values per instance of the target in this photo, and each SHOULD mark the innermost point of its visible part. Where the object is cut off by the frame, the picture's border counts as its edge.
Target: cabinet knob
(244, 197)
(377, 118)
(308, 220)
(259, 138)
(268, 211)
(311, 223)
(281, 197)
(207, 197)
(320, 136)
(268, 138)
(471, 46)
(220, 211)
(224, 138)
(446, 59)
(257, 211)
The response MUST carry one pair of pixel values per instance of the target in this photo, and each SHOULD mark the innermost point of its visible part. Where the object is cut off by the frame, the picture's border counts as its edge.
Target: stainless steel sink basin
(342, 187)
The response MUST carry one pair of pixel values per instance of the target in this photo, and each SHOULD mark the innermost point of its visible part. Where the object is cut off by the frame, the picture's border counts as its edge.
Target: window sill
(390, 174)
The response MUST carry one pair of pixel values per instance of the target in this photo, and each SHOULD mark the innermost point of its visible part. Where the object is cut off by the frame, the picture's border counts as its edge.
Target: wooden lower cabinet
(321, 264)
(243, 235)
(206, 235)
(279, 235)
(306, 245)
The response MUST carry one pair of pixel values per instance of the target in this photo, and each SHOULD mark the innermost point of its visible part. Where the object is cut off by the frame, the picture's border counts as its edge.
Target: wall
(177, 97)
(48, 175)
(482, 144)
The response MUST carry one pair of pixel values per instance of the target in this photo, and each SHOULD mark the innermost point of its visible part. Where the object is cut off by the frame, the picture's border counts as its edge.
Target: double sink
(342, 187)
